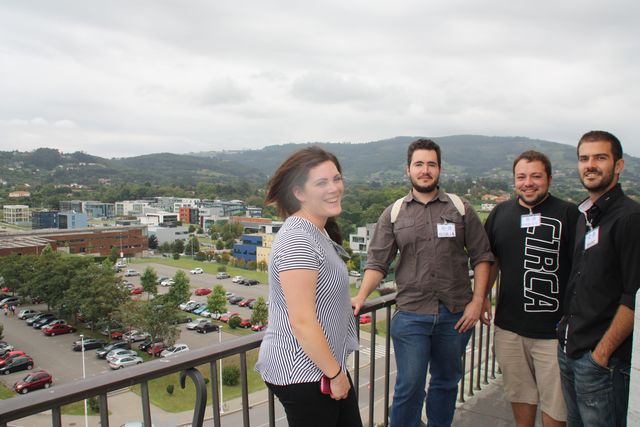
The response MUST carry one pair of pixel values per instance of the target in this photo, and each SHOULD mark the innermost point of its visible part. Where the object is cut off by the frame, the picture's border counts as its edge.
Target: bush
(200, 256)
(231, 375)
(234, 322)
(222, 269)
(206, 380)
(176, 255)
(94, 404)
(170, 388)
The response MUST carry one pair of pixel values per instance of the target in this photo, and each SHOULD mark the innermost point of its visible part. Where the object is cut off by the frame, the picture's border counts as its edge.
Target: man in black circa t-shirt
(532, 239)
(596, 330)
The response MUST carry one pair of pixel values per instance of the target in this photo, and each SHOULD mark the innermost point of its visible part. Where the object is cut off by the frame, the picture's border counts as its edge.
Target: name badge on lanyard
(591, 238)
(530, 220)
(446, 230)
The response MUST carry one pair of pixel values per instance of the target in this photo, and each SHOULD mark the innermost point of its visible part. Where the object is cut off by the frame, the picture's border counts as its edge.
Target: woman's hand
(340, 386)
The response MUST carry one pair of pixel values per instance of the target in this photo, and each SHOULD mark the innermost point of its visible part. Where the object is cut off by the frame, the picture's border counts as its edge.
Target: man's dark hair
(601, 135)
(423, 144)
(534, 156)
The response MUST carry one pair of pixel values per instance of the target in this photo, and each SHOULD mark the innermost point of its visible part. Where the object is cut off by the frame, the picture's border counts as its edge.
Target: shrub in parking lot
(222, 269)
(234, 322)
(94, 404)
(176, 255)
(231, 375)
(170, 388)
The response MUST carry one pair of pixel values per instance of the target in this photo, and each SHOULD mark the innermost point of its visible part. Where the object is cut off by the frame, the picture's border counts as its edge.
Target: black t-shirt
(535, 263)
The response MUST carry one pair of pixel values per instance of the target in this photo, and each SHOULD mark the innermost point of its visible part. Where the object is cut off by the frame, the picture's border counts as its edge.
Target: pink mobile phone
(325, 385)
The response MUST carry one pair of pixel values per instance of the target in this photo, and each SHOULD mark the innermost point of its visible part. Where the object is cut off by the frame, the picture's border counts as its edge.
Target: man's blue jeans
(595, 396)
(424, 342)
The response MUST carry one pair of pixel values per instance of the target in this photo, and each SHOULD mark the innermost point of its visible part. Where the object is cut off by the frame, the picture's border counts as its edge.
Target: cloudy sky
(123, 78)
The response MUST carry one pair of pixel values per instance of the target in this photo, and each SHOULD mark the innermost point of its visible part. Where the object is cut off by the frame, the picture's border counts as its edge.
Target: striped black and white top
(301, 245)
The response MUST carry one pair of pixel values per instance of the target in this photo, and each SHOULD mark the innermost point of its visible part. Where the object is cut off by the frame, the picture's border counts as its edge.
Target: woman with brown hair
(311, 325)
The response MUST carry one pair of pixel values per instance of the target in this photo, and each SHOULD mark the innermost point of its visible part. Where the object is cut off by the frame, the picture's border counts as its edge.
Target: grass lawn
(5, 392)
(187, 263)
(77, 408)
(184, 399)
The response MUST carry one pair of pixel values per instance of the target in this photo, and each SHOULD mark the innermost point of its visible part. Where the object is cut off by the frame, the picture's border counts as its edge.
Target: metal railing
(54, 398)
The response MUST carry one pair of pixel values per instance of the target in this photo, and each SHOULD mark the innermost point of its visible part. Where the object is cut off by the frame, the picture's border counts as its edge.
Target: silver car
(123, 362)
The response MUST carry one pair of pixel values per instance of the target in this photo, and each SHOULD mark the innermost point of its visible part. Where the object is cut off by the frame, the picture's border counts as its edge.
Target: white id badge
(530, 220)
(591, 239)
(446, 230)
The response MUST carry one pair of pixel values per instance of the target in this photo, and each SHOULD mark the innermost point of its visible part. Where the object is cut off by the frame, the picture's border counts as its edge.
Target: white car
(118, 353)
(354, 273)
(174, 349)
(125, 361)
(168, 282)
(237, 279)
(134, 336)
(192, 325)
(130, 273)
(196, 271)
(185, 304)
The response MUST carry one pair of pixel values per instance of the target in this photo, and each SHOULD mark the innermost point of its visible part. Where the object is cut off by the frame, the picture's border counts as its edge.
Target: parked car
(197, 270)
(130, 273)
(5, 347)
(202, 291)
(162, 279)
(144, 345)
(27, 313)
(58, 329)
(258, 327)
(245, 323)
(354, 273)
(183, 319)
(135, 336)
(206, 327)
(192, 325)
(237, 279)
(185, 304)
(32, 320)
(365, 319)
(200, 310)
(235, 299)
(89, 343)
(136, 291)
(125, 361)
(10, 301)
(245, 302)
(174, 349)
(38, 324)
(33, 381)
(10, 355)
(119, 352)
(228, 315)
(156, 348)
(195, 306)
(102, 352)
(249, 282)
(168, 282)
(18, 363)
(222, 275)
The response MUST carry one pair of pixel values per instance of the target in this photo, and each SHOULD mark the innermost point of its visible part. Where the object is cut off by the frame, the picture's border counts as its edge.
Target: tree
(192, 228)
(217, 300)
(262, 265)
(177, 246)
(234, 322)
(219, 244)
(179, 292)
(149, 281)
(113, 254)
(252, 265)
(260, 313)
(153, 242)
(158, 320)
(192, 246)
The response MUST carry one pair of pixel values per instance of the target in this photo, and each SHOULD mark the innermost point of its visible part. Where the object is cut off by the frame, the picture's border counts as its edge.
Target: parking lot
(54, 354)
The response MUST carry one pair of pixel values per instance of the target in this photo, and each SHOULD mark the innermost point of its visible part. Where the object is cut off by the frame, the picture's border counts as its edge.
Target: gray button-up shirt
(430, 269)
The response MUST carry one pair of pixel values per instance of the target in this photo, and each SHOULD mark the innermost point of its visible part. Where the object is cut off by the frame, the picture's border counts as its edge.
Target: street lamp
(84, 375)
(221, 399)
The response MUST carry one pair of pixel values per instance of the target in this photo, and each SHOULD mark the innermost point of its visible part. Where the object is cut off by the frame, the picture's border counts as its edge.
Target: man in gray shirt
(437, 235)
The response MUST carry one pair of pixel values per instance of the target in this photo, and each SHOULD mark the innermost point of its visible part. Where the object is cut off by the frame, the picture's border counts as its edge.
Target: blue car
(199, 309)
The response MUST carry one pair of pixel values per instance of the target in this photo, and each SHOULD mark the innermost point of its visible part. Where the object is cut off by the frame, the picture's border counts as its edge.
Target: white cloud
(164, 77)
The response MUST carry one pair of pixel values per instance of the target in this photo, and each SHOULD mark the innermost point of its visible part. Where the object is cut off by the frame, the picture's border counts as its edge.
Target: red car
(135, 291)
(116, 335)
(10, 355)
(156, 348)
(33, 381)
(246, 302)
(246, 323)
(258, 328)
(58, 330)
(202, 291)
(225, 317)
(365, 318)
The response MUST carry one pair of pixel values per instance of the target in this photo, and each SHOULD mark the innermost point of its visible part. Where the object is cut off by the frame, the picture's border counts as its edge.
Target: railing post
(104, 410)
(245, 389)
(146, 409)
(479, 356)
(473, 353)
(372, 368)
(215, 393)
(387, 366)
(272, 410)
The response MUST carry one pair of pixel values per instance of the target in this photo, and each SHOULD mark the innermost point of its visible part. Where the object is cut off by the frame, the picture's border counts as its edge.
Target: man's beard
(425, 189)
(604, 183)
(535, 201)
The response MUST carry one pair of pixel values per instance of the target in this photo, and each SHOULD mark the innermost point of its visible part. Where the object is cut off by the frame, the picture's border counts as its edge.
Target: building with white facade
(17, 214)
(359, 242)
